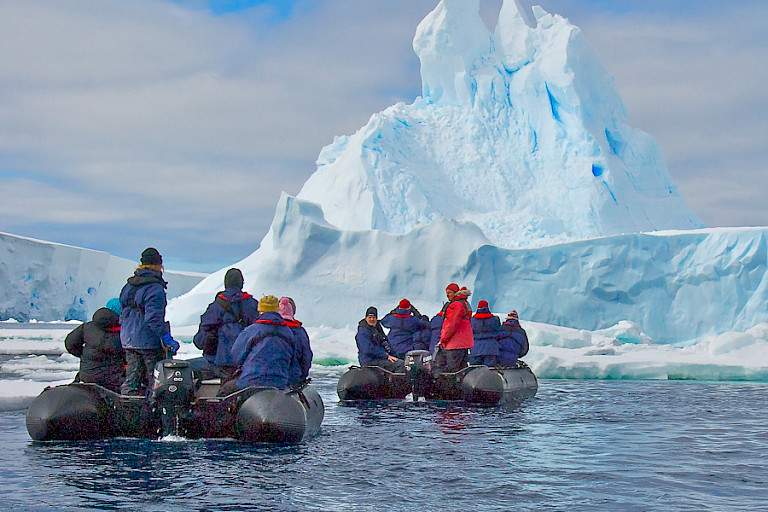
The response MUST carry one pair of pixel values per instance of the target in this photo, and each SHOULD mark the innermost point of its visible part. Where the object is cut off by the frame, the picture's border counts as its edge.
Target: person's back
(435, 328)
(513, 341)
(264, 350)
(403, 327)
(225, 318)
(144, 331)
(302, 351)
(97, 344)
(485, 330)
(421, 338)
(143, 305)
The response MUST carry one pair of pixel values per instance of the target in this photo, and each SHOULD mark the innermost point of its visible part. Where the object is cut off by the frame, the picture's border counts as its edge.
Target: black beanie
(233, 279)
(372, 311)
(150, 256)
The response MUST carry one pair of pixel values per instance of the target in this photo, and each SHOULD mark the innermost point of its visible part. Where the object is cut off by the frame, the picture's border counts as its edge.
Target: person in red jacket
(456, 335)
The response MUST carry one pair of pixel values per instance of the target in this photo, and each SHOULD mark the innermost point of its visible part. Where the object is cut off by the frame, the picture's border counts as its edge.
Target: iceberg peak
(448, 41)
(521, 132)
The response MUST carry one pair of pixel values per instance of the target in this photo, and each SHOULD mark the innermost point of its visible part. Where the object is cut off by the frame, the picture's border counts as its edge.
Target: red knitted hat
(482, 304)
(453, 287)
(404, 304)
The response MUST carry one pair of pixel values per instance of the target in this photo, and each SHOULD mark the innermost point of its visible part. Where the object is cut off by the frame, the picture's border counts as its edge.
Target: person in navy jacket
(302, 352)
(373, 345)
(405, 328)
(264, 350)
(231, 311)
(144, 333)
(435, 328)
(513, 341)
(485, 330)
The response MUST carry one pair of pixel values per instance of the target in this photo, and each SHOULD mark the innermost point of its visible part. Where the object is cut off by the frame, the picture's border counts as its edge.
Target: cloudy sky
(125, 124)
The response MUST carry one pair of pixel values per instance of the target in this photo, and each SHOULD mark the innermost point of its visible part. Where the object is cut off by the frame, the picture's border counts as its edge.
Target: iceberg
(521, 132)
(46, 281)
(675, 286)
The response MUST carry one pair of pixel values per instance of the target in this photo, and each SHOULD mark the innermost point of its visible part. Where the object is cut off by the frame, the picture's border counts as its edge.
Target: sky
(177, 123)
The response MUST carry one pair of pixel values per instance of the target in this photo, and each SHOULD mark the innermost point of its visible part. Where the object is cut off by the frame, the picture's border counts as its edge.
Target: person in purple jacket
(231, 311)
(513, 341)
(485, 331)
(263, 351)
(405, 326)
(435, 328)
(144, 334)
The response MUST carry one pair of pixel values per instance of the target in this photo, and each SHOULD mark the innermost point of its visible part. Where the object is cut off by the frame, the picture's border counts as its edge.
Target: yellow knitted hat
(268, 303)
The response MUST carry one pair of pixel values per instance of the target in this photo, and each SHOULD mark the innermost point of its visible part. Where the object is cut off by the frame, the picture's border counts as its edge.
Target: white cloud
(182, 121)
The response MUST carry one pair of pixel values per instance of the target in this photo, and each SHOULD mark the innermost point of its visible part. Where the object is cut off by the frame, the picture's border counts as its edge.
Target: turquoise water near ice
(577, 446)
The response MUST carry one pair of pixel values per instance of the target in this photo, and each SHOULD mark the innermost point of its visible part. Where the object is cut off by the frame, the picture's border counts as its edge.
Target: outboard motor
(172, 392)
(418, 366)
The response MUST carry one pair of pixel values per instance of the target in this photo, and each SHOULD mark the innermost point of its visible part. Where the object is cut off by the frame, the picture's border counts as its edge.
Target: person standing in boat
(456, 334)
(144, 334)
(513, 341)
(263, 351)
(302, 352)
(97, 344)
(405, 329)
(373, 345)
(485, 332)
(230, 312)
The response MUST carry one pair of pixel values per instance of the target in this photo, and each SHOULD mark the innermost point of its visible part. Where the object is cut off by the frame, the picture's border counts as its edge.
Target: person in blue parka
(435, 328)
(421, 340)
(302, 351)
(230, 312)
(405, 329)
(485, 330)
(513, 341)
(373, 345)
(144, 333)
(263, 351)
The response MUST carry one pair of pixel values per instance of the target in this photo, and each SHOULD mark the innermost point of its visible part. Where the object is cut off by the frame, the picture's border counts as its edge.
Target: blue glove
(172, 345)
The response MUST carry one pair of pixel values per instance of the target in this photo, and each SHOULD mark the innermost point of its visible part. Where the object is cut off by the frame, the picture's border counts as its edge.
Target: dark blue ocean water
(579, 445)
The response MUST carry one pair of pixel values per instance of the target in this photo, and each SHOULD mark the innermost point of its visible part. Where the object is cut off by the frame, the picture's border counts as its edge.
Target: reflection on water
(109, 473)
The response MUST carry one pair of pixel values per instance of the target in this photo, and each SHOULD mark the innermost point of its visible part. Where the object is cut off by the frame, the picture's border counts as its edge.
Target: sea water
(578, 445)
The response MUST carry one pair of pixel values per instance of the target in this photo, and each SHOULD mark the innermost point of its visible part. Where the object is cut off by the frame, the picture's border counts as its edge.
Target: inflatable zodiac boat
(177, 405)
(474, 384)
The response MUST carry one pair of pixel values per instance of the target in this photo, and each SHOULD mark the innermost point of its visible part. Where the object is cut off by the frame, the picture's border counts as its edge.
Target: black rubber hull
(372, 383)
(483, 385)
(88, 411)
(475, 384)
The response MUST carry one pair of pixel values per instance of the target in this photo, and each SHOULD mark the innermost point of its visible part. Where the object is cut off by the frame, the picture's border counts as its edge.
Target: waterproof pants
(139, 368)
(450, 360)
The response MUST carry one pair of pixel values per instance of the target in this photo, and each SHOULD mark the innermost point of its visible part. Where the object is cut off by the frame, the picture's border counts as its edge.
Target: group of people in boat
(247, 343)
(454, 336)
(244, 342)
